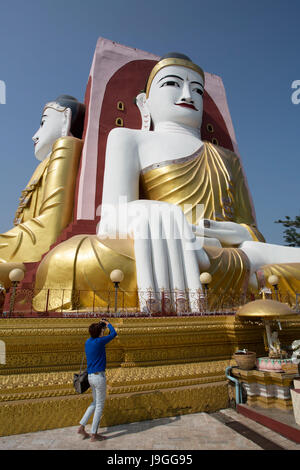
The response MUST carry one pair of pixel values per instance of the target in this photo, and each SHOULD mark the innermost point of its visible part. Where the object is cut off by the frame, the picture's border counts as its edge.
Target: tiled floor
(199, 431)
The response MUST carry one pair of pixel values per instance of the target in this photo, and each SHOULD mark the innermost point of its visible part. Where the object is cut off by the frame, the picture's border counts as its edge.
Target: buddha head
(174, 93)
(61, 117)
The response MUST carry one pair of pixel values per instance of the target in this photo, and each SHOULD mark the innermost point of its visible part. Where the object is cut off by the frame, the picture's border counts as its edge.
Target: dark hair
(95, 329)
(78, 113)
(175, 55)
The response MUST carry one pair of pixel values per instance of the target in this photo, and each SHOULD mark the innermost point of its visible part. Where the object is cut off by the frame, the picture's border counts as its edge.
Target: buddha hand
(228, 233)
(168, 254)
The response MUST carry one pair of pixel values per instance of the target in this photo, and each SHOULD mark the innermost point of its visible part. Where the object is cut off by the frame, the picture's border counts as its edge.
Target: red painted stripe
(281, 428)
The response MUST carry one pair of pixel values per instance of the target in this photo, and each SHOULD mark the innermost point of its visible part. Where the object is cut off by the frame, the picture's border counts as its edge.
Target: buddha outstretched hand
(228, 233)
(168, 255)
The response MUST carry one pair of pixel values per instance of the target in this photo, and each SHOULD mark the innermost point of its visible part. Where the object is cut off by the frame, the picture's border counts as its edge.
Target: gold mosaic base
(279, 381)
(270, 402)
(157, 367)
(60, 407)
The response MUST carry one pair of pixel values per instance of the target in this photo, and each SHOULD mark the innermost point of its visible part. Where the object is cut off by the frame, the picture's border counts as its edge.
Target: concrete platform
(224, 430)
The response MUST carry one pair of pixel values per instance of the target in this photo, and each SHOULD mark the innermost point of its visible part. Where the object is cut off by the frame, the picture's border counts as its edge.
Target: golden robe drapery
(45, 208)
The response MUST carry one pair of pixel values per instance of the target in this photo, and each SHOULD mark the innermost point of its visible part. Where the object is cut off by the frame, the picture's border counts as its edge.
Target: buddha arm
(31, 238)
(121, 176)
(121, 180)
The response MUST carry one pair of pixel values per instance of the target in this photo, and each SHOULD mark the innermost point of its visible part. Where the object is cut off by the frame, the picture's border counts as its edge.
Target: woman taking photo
(96, 365)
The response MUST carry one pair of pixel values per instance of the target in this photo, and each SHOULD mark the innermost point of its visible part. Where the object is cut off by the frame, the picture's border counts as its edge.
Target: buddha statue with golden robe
(46, 204)
(173, 206)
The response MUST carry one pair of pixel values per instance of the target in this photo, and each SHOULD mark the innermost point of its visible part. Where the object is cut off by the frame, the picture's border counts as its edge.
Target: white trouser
(98, 386)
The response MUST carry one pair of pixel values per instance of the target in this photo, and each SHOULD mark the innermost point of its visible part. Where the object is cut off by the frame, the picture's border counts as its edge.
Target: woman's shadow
(134, 428)
(147, 423)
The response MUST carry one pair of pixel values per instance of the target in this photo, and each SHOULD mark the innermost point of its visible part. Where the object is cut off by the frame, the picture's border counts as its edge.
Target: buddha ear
(141, 103)
(67, 119)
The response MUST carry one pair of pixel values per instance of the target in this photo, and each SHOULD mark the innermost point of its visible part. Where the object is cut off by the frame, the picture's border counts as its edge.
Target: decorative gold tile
(157, 367)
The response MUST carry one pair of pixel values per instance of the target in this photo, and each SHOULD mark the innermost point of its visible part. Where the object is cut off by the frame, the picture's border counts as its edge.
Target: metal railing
(83, 303)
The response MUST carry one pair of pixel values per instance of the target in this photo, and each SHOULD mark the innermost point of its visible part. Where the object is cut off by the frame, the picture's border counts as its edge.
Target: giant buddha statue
(173, 206)
(46, 204)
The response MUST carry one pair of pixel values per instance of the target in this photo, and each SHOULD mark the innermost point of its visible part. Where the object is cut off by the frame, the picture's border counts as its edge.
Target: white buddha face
(176, 95)
(54, 125)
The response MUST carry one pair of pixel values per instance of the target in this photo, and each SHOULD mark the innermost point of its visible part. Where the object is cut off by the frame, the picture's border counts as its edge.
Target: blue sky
(47, 46)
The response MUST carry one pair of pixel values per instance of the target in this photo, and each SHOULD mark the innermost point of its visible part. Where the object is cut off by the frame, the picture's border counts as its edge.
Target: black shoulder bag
(80, 381)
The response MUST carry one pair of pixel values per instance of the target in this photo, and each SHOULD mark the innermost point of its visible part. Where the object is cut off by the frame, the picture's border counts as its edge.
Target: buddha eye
(170, 83)
(199, 91)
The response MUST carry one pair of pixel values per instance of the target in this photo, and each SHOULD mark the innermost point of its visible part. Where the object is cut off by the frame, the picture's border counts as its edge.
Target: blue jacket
(95, 351)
